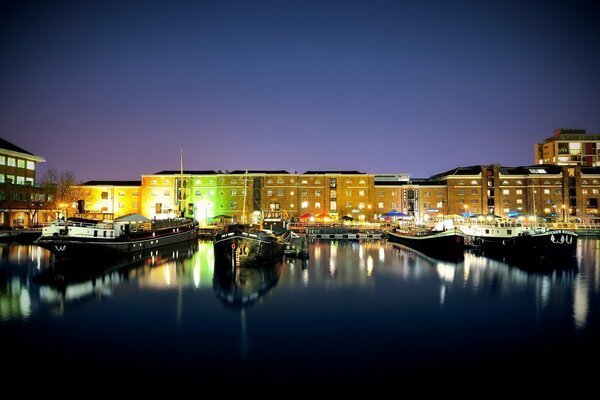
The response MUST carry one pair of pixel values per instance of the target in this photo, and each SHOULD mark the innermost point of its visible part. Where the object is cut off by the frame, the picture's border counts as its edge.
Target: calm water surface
(358, 316)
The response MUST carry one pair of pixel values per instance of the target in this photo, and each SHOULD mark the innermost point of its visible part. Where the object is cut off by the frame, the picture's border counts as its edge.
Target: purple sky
(114, 89)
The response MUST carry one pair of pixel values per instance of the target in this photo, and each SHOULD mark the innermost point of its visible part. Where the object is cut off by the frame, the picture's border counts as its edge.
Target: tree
(60, 188)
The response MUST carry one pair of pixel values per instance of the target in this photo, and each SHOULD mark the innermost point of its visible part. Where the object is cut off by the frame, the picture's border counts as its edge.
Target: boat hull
(243, 248)
(547, 245)
(69, 248)
(442, 244)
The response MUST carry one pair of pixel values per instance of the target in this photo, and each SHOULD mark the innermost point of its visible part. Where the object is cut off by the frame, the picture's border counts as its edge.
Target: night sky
(114, 89)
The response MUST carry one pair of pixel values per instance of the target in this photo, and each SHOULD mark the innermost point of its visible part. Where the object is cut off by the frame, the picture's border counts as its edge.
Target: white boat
(513, 239)
(78, 238)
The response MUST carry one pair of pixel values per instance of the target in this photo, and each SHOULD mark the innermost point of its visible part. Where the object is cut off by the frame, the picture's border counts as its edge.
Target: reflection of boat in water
(239, 287)
(78, 238)
(66, 273)
(435, 258)
(530, 264)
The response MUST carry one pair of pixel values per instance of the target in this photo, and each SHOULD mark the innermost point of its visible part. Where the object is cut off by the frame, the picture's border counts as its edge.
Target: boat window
(95, 233)
(104, 233)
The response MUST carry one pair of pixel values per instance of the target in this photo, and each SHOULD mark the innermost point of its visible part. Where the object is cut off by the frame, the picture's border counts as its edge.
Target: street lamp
(564, 212)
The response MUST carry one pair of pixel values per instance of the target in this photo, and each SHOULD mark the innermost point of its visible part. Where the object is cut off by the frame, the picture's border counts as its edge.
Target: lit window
(167, 193)
(233, 181)
(380, 205)
(234, 192)
(269, 181)
(361, 182)
(519, 191)
(361, 205)
(361, 193)
(304, 193)
(348, 205)
(473, 182)
(546, 191)
(21, 163)
(506, 192)
(153, 194)
(317, 181)
(121, 205)
(211, 192)
(280, 193)
(519, 182)
(304, 204)
(121, 193)
(269, 193)
(394, 205)
(348, 193)
(2, 160)
(317, 192)
(474, 191)
(317, 204)
(20, 180)
(233, 204)
(198, 181)
(11, 162)
(304, 182)
(505, 182)
(519, 201)
(381, 194)
(280, 181)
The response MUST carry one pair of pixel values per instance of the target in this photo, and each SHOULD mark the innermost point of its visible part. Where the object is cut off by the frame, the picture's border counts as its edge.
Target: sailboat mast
(245, 194)
(180, 194)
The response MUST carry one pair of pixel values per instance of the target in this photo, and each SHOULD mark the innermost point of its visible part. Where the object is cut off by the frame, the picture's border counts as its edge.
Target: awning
(132, 218)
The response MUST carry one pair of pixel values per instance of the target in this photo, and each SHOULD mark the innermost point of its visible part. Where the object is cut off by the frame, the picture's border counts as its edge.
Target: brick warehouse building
(550, 189)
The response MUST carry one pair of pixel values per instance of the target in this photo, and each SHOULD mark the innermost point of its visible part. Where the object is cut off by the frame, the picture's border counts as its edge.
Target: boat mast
(245, 194)
(180, 194)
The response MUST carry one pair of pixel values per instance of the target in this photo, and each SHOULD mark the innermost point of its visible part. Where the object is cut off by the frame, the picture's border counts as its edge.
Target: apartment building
(569, 147)
(22, 201)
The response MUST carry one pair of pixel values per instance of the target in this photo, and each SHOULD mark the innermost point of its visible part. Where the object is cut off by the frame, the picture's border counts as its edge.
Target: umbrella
(394, 213)
(324, 216)
(222, 216)
(306, 216)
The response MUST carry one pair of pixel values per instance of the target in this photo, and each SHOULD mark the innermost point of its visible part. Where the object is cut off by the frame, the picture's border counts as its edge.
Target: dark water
(360, 317)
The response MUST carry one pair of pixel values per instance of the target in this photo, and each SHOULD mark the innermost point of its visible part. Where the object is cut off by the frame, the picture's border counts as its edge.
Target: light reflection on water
(348, 298)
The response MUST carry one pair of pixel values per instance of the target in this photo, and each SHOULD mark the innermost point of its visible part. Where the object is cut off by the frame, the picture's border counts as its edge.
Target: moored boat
(76, 238)
(246, 245)
(517, 240)
(446, 243)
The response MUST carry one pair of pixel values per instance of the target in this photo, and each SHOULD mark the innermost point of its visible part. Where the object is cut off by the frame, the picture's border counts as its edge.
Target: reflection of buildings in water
(30, 280)
(191, 266)
(587, 281)
(17, 264)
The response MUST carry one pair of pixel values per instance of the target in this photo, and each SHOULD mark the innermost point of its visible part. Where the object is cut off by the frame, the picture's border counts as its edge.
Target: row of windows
(24, 196)
(269, 181)
(17, 162)
(19, 180)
